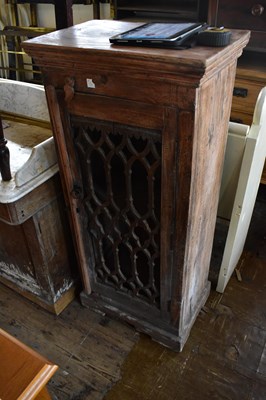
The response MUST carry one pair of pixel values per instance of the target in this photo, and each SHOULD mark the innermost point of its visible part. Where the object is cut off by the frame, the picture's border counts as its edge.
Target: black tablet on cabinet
(159, 34)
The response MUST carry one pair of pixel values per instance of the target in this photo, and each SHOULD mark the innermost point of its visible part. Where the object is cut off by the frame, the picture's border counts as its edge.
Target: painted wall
(81, 13)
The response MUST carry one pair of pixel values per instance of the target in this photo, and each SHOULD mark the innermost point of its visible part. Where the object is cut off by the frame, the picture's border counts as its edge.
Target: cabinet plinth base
(160, 331)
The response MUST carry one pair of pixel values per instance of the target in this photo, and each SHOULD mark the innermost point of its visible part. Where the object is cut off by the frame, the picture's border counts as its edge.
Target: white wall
(81, 13)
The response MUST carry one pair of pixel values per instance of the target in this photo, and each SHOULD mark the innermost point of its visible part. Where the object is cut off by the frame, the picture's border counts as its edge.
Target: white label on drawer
(90, 83)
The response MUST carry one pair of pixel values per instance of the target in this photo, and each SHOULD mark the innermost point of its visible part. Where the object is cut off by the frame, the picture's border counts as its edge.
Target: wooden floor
(224, 358)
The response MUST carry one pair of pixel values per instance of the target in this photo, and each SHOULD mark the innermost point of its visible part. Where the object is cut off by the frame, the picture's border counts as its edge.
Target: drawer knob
(257, 10)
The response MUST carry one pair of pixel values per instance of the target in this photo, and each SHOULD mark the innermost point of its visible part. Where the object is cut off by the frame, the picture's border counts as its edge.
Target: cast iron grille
(121, 172)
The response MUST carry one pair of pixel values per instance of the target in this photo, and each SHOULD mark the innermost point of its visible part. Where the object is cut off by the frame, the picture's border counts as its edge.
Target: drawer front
(238, 14)
(240, 118)
(245, 15)
(114, 85)
(245, 96)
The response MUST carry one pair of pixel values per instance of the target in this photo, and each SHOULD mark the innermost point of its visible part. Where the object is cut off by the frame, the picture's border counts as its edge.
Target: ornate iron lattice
(121, 172)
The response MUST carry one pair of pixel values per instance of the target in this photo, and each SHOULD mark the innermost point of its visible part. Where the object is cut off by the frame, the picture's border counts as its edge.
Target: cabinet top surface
(92, 39)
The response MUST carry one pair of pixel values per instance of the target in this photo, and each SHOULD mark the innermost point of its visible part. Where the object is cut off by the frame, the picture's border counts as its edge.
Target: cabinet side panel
(209, 139)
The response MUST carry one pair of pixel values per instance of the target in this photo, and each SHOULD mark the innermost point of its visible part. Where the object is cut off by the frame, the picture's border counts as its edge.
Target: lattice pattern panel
(122, 185)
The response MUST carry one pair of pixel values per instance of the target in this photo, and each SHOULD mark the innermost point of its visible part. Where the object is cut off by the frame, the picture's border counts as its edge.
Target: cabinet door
(121, 157)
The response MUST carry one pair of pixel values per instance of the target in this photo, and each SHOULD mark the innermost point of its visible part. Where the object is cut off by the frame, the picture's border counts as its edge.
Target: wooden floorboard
(223, 359)
(225, 355)
(88, 347)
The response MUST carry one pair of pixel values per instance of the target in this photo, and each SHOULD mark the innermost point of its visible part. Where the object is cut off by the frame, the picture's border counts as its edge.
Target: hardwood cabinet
(36, 252)
(247, 14)
(192, 10)
(140, 135)
(251, 71)
(250, 79)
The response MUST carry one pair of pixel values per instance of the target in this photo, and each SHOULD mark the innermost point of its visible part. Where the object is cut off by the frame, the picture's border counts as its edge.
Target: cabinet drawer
(245, 95)
(249, 14)
(113, 84)
(141, 89)
(239, 14)
(240, 117)
(124, 87)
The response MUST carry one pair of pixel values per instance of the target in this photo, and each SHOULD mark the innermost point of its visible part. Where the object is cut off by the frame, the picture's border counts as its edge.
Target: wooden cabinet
(190, 10)
(36, 252)
(251, 71)
(247, 14)
(250, 79)
(140, 135)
